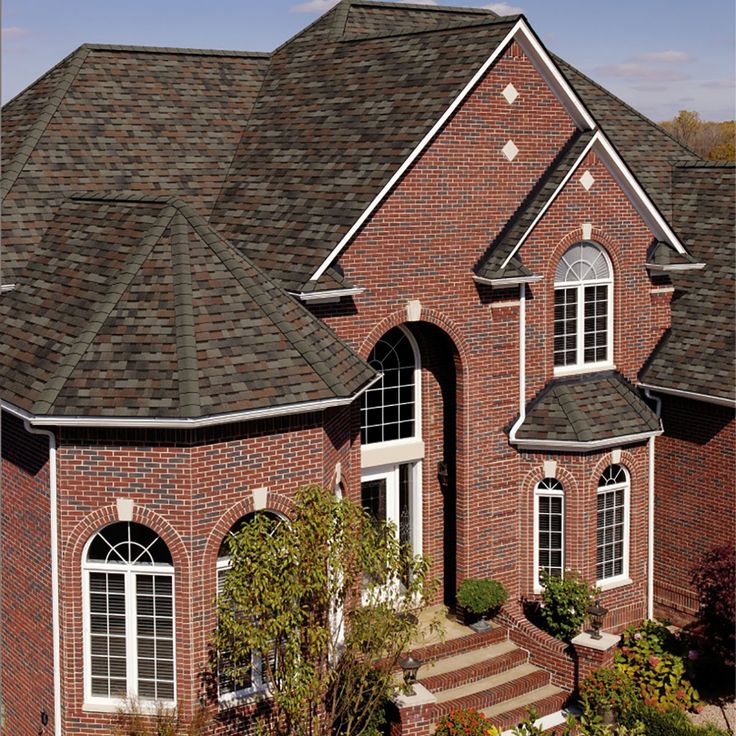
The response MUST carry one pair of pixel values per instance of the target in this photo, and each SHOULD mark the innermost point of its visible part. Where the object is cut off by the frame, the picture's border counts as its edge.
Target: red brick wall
(26, 676)
(694, 513)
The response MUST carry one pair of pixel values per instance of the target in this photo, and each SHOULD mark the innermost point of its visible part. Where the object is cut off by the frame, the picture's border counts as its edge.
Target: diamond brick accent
(587, 180)
(510, 150)
(510, 93)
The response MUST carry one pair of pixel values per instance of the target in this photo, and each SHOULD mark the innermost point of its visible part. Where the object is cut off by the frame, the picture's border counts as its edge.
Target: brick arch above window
(599, 236)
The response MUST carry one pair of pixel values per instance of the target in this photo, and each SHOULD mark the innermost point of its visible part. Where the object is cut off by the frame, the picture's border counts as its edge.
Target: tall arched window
(256, 680)
(128, 616)
(583, 309)
(612, 543)
(549, 529)
(389, 406)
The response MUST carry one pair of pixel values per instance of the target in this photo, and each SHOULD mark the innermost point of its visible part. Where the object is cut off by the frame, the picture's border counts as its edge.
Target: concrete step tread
(487, 683)
(465, 659)
(522, 701)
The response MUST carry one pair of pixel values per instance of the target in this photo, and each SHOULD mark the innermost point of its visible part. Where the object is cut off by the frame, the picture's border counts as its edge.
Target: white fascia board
(705, 398)
(542, 62)
(327, 295)
(513, 281)
(626, 180)
(184, 423)
(564, 445)
(675, 267)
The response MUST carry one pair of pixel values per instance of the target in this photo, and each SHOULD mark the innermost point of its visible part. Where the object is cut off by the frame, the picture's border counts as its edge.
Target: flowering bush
(658, 674)
(466, 722)
(608, 688)
(565, 604)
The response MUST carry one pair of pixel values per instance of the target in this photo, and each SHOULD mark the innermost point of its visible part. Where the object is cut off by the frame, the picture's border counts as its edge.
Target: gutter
(54, 523)
(706, 398)
(522, 365)
(329, 295)
(562, 445)
(211, 420)
(650, 513)
(674, 267)
(511, 281)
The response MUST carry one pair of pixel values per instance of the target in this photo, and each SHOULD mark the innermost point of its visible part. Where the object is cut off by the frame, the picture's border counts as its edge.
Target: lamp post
(410, 667)
(596, 613)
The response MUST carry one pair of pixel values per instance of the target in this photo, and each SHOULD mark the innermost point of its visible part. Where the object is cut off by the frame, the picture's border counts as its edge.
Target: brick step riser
(494, 696)
(444, 649)
(474, 672)
(544, 707)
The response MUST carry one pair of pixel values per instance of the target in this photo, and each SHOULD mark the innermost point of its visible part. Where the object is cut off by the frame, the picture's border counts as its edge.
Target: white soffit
(530, 44)
(629, 185)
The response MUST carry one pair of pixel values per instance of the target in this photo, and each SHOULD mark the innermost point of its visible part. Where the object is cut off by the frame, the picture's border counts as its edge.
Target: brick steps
(469, 643)
(544, 700)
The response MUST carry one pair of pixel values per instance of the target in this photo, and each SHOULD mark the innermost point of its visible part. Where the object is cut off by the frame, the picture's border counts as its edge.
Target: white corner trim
(625, 179)
(207, 421)
(260, 498)
(541, 444)
(542, 61)
(125, 508)
(706, 398)
(331, 295)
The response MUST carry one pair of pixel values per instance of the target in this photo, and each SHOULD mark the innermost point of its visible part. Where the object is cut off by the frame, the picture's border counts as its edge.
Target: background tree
(327, 600)
(711, 140)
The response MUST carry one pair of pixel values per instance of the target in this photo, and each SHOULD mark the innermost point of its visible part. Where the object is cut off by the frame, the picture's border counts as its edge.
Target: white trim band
(539, 444)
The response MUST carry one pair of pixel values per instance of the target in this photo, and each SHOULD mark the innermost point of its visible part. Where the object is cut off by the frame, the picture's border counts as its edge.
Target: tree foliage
(711, 140)
(565, 604)
(325, 601)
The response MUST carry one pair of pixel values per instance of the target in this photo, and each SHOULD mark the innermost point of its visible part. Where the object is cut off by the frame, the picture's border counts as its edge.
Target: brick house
(410, 253)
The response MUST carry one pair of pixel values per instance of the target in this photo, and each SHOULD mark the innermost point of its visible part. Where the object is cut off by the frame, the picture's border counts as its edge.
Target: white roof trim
(510, 281)
(538, 444)
(327, 295)
(161, 423)
(626, 180)
(706, 398)
(675, 267)
(522, 33)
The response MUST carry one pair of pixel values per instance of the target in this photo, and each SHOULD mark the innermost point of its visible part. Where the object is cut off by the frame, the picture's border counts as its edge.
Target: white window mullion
(580, 326)
(131, 633)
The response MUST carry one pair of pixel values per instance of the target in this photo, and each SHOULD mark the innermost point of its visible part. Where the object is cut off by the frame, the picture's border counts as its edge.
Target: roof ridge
(575, 417)
(231, 258)
(431, 8)
(186, 343)
(306, 29)
(36, 131)
(560, 61)
(77, 351)
(182, 50)
(489, 21)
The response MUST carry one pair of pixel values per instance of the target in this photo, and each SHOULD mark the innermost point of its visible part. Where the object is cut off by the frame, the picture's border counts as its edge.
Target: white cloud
(641, 72)
(503, 8)
(314, 6)
(13, 32)
(668, 57)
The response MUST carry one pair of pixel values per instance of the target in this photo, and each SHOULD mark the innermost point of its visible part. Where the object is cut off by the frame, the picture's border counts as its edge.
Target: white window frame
(625, 486)
(538, 493)
(580, 366)
(130, 571)
(417, 436)
(258, 687)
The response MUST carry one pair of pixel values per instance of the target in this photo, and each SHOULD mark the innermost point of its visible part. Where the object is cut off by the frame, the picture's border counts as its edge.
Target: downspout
(56, 639)
(650, 509)
(522, 364)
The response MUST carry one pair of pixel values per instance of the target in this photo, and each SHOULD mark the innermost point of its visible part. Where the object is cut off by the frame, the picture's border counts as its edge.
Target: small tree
(565, 604)
(324, 600)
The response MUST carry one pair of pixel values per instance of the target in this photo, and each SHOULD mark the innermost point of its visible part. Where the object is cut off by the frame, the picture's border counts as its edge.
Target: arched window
(256, 681)
(583, 308)
(549, 529)
(612, 542)
(128, 616)
(389, 406)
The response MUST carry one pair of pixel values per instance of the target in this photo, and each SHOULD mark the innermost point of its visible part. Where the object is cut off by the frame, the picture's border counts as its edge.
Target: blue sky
(658, 55)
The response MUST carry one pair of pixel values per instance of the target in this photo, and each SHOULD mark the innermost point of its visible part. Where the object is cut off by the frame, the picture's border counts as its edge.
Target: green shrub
(658, 674)
(481, 596)
(565, 602)
(667, 723)
(608, 689)
(465, 722)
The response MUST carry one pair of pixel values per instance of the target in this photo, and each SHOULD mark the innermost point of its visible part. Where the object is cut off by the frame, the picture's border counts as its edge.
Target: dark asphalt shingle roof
(588, 408)
(697, 354)
(136, 307)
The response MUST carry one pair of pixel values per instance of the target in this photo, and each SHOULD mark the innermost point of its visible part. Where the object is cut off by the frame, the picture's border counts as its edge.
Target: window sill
(612, 583)
(124, 707)
(250, 697)
(574, 370)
